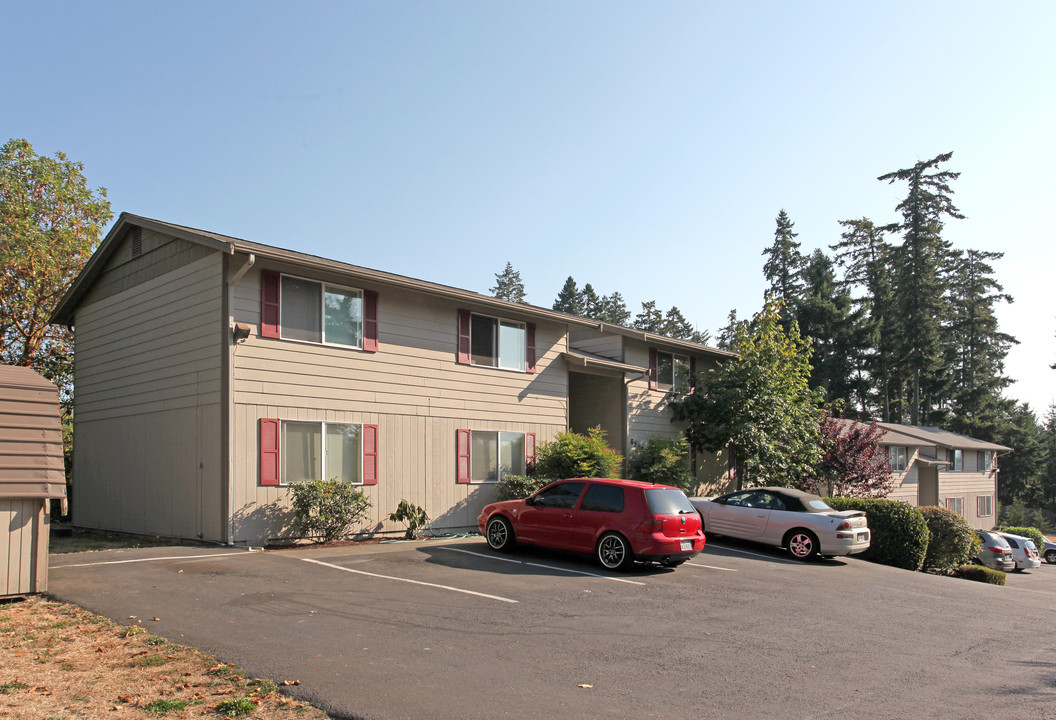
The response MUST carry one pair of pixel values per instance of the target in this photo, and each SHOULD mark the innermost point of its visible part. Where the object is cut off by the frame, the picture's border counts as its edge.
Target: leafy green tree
(569, 300)
(760, 405)
(508, 285)
(662, 460)
(922, 265)
(50, 223)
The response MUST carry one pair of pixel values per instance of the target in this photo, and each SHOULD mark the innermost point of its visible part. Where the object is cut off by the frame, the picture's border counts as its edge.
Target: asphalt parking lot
(449, 629)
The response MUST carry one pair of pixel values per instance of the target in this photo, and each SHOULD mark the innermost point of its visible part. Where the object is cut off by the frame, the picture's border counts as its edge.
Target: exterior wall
(23, 546)
(648, 413)
(606, 345)
(597, 400)
(968, 486)
(906, 484)
(412, 389)
(147, 447)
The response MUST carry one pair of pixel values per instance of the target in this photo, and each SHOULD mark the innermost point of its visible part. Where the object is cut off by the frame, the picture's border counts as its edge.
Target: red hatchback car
(619, 521)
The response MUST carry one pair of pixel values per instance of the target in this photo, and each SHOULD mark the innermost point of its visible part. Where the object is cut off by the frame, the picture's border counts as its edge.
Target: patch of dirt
(60, 661)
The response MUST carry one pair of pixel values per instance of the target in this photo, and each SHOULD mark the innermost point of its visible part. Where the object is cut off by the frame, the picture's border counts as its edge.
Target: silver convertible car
(792, 519)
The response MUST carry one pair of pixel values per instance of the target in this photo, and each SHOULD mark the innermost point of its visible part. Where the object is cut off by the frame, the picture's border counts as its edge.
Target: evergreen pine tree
(650, 319)
(676, 325)
(614, 310)
(508, 285)
(591, 302)
(783, 269)
(569, 300)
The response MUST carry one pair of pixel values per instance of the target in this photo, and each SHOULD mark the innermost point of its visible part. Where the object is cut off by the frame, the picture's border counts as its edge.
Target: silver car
(1049, 553)
(792, 519)
(994, 551)
(1024, 552)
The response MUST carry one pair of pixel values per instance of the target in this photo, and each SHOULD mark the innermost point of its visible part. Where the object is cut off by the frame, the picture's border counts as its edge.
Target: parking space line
(540, 565)
(139, 560)
(759, 555)
(710, 567)
(408, 580)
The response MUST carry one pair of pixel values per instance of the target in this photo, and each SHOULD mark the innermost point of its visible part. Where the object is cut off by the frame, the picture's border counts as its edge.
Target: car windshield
(668, 501)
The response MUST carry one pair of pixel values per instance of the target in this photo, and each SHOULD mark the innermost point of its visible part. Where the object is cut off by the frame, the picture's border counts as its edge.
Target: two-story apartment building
(211, 372)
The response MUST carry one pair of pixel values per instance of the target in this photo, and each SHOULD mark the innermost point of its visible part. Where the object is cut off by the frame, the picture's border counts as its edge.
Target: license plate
(864, 537)
(687, 545)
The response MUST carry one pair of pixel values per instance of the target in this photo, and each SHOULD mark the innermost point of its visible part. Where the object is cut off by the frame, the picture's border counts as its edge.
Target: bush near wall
(518, 487)
(980, 573)
(1029, 532)
(950, 538)
(572, 455)
(662, 460)
(899, 532)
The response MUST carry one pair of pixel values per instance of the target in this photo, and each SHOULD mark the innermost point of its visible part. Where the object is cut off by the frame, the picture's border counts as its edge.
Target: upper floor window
(984, 460)
(495, 342)
(896, 459)
(956, 459)
(296, 308)
(668, 371)
(984, 505)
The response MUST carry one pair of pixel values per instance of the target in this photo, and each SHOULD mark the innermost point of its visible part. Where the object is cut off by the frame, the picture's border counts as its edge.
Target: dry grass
(59, 662)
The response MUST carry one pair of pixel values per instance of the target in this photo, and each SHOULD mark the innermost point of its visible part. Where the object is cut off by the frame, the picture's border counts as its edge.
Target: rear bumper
(655, 548)
(850, 545)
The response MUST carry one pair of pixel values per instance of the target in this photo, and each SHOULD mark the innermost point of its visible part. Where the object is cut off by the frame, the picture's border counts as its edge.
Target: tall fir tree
(508, 285)
(676, 325)
(922, 265)
(569, 300)
(979, 349)
(650, 319)
(591, 302)
(783, 268)
(614, 310)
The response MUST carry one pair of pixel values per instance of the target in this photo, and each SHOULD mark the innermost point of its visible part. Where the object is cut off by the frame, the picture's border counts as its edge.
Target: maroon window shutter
(654, 383)
(463, 338)
(463, 456)
(529, 337)
(269, 451)
(529, 452)
(370, 321)
(370, 454)
(269, 304)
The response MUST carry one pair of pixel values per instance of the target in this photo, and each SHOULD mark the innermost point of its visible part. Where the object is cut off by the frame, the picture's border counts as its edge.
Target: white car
(1024, 552)
(792, 519)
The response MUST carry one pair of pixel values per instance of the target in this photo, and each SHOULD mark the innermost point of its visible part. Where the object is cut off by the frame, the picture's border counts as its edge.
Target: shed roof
(30, 436)
(64, 313)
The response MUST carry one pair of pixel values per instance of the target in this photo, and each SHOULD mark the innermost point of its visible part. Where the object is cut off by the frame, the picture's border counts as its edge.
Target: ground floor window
(293, 451)
(956, 504)
(984, 505)
(486, 456)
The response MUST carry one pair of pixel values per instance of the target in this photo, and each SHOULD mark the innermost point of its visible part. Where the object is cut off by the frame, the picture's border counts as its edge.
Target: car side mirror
(530, 500)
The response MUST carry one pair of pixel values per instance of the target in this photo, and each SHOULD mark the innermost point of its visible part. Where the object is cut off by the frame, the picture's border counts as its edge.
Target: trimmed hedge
(1032, 533)
(951, 538)
(518, 487)
(980, 573)
(898, 530)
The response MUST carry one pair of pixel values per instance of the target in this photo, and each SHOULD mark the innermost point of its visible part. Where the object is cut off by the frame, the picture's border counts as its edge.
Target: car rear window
(603, 498)
(668, 501)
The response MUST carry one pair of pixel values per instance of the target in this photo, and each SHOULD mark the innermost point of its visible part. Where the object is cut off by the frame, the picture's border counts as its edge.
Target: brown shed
(31, 474)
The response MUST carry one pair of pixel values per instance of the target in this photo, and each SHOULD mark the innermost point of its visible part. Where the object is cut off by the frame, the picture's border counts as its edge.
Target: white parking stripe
(760, 555)
(139, 560)
(407, 580)
(548, 567)
(710, 567)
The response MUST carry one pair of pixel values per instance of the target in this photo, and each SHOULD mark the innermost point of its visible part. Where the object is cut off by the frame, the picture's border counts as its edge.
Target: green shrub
(662, 460)
(414, 515)
(572, 455)
(898, 531)
(1029, 532)
(950, 538)
(518, 487)
(326, 508)
(980, 573)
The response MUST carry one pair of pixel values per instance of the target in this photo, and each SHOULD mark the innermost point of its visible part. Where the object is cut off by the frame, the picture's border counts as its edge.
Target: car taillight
(651, 525)
(845, 525)
(997, 549)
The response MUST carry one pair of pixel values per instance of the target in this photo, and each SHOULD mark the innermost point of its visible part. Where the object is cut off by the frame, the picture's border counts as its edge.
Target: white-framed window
(984, 506)
(956, 504)
(319, 312)
(984, 461)
(488, 456)
(495, 342)
(672, 371)
(896, 458)
(322, 451)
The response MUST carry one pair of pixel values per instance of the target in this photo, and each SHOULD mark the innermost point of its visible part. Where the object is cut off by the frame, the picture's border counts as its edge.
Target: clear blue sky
(641, 147)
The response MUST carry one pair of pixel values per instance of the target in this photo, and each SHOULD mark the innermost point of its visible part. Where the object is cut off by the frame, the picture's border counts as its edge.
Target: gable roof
(942, 438)
(31, 464)
(64, 312)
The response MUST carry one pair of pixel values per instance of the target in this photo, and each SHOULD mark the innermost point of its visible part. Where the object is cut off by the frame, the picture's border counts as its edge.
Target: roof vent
(136, 236)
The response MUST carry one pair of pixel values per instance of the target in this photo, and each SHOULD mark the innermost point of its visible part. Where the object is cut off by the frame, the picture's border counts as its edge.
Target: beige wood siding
(147, 448)
(969, 486)
(412, 389)
(23, 546)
